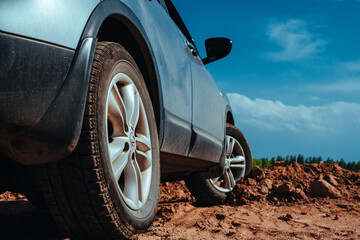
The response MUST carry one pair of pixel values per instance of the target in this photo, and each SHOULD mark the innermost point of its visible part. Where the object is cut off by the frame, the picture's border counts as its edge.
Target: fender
(56, 133)
(122, 12)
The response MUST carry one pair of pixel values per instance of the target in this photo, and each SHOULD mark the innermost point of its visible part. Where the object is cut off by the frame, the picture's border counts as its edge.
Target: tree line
(265, 162)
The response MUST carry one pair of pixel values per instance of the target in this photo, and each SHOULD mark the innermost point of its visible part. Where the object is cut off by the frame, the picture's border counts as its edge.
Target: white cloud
(352, 66)
(295, 40)
(276, 116)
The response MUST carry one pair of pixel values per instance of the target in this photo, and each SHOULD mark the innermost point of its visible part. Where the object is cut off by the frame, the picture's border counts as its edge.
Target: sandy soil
(318, 201)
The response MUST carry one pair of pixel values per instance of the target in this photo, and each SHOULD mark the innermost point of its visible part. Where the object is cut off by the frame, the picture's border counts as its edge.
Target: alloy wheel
(129, 141)
(235, 166)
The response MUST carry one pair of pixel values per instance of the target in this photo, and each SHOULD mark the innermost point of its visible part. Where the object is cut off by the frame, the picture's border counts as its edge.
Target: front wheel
(108, 187)
(238, 164)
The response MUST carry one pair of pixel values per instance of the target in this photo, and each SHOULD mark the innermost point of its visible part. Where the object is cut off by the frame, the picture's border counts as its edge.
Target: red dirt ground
(312, 201)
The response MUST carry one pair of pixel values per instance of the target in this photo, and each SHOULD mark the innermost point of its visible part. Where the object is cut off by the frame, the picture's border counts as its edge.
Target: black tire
(36, 199)
(204, 190)
(81, 191)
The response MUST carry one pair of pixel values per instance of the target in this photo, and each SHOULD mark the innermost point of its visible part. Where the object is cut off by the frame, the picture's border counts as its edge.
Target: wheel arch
(112, 14)
(229, 116)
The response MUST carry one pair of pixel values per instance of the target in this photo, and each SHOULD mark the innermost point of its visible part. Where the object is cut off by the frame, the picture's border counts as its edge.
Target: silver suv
(100, 101)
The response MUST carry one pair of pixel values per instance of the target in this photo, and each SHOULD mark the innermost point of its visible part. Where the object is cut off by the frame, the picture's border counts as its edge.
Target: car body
(46, 53)
(101, 98)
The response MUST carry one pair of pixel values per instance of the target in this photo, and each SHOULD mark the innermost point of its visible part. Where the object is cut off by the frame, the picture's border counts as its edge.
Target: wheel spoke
(215, 180)
(136, 113)
(116, 147)
(238, 166)
(140, 181)
(116, 112)
(237, 162)
(144, 160)
(230, 145)
(133, 184)
(132, 104)
(143, 143)
(119, 164)
(229, 181)
(232, 180)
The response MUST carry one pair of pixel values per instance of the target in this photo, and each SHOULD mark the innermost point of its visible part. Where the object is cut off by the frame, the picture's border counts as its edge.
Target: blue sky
(293, 77)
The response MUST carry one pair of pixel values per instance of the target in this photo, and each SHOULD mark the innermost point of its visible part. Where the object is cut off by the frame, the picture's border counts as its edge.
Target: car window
(178, 21)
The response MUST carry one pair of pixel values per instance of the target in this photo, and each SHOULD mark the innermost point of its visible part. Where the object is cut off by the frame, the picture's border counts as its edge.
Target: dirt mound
(297, 183)
(9, 196)
(174, 192)
(311, 201)
(280, 184)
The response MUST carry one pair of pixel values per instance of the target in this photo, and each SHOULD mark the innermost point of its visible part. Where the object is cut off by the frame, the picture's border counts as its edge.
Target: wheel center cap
(132, 139)
(227, 164)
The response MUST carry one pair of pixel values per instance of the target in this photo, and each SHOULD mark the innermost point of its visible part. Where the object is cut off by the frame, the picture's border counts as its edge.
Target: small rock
(230, 233)
(336, 167)
(216, 230)
(331, 179)
(285, 189)
(258, 173)
(200, 225)
(355, 177)
(268, 183)
(322, 188)
(251, 181)
(299, 194)
(220, 217)
(285, 218)
(278, 163)
(236, 224)
(264, 190)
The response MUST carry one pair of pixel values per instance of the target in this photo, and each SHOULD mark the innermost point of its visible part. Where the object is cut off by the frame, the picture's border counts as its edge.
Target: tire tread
(74, 188)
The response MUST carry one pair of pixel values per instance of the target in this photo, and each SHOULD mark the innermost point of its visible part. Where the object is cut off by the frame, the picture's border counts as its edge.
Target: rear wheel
(108, 188)
(238, 164)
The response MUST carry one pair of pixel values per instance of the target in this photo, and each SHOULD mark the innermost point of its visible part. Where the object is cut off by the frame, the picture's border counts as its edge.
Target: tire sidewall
(119, 61)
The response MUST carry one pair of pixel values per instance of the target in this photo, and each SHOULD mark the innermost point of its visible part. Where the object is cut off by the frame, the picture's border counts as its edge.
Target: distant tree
(272, 161)
(348, 166)
(300, 159)
(342, 163)
(263, 162)
(256, 162)
(329, 160)
(358, 166)
(351, 166)
(287, 160)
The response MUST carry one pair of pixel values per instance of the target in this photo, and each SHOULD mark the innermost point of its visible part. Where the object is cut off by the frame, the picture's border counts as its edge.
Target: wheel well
(131, 39)
(230, 118)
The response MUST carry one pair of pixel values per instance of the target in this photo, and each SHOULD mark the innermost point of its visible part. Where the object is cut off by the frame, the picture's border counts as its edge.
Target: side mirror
(217, 48)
